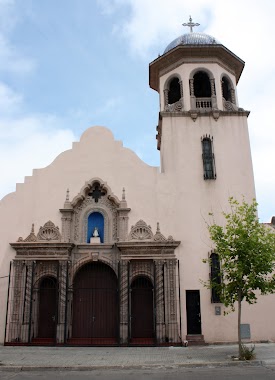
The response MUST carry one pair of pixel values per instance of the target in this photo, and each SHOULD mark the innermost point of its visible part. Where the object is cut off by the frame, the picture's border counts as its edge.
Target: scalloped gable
(97, 148)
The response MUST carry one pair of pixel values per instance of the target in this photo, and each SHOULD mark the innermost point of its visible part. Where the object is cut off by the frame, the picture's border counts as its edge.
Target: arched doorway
(95, 305)
(142, 311)
(47, 308)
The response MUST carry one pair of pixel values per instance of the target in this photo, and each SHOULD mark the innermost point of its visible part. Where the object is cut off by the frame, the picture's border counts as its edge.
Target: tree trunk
(239, 322)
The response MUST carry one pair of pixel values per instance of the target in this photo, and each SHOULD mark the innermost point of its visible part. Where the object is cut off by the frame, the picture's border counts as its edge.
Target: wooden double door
(95, 304)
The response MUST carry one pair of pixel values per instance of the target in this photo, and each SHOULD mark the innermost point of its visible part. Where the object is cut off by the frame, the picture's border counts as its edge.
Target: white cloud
(10, 59)
(27, 143)
(9, 100)
(110, 105)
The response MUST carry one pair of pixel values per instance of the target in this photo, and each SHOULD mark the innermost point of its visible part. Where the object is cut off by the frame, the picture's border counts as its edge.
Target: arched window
(202, 86)
(226, 89)
(208, 158)
(174, 92)
(95, 221)
(215, 276)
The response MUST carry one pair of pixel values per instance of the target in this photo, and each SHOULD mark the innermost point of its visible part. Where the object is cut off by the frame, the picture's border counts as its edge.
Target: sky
(66, 65)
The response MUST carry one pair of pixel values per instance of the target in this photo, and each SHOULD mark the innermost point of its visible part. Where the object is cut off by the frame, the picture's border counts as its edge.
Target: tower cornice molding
(194, 53)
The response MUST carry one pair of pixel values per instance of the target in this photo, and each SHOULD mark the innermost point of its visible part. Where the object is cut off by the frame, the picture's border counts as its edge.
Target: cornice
(191, 53)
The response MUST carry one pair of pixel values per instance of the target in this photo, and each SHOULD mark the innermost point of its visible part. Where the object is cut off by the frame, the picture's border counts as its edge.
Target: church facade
(110, 251)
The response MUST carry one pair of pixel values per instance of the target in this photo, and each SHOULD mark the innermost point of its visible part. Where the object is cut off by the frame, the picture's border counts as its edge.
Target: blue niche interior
(95, 219)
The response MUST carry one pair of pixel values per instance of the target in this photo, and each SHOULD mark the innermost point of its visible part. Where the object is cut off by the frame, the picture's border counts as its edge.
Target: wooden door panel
(47, 308)
(142, 314)
(95, 315)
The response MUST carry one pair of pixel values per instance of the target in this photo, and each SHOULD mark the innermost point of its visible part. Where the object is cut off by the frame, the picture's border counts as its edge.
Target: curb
(7, 368)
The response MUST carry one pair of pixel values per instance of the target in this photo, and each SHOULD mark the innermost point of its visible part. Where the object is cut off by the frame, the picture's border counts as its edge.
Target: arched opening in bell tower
(227, 90)
(202, 86)
(174, 92)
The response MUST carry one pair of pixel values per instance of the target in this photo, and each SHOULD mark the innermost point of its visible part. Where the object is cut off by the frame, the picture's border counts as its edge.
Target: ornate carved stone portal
(47, 264)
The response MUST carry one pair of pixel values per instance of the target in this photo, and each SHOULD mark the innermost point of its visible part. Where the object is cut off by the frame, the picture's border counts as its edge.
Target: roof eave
(219, 51)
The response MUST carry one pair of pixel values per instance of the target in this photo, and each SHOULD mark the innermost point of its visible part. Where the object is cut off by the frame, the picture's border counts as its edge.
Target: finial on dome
(32, 231)
(191, 24)
(123, 194)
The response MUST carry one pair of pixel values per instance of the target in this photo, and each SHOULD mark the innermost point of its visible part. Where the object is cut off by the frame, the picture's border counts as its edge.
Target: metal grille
(93, 303)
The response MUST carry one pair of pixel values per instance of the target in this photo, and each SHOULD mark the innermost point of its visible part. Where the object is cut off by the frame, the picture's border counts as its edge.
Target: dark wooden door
(47, 308)
(193, 310)
(95, 302)
(142, 308)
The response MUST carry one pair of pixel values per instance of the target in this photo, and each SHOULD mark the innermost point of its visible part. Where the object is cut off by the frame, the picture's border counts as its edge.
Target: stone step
(195, 340)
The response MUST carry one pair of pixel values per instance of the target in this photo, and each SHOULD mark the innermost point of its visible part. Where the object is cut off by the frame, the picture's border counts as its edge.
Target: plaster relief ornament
(49, 232)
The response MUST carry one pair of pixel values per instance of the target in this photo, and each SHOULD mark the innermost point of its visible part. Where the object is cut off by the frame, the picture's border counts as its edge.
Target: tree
(246, 250)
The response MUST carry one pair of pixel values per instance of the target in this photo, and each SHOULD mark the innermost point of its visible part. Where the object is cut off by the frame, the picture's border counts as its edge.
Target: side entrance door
(47, 308)
(142, 310)
(193, 310)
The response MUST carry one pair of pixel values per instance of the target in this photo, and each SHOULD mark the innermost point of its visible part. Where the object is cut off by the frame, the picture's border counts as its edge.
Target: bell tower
(202, 133)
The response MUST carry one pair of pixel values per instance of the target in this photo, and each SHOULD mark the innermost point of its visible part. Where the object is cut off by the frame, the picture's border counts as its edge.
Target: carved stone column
(166, 99)
(123, 224)
(27, 324)
(66, 225)
(62, 301)
(233, 97)
(159, 299)
(123, 218)
(124, 302)
(213, 93)
(67, 214)
(17, 302)
(171, 304)
(192, 95)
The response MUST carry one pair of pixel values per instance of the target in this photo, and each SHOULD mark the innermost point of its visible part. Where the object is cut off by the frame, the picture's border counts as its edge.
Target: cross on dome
(191, 24)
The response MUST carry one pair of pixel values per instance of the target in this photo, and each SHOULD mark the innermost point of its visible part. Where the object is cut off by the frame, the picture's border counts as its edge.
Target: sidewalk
(86, 358)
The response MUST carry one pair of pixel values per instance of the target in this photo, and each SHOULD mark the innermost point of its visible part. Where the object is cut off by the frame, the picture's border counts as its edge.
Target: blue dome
(192, 39)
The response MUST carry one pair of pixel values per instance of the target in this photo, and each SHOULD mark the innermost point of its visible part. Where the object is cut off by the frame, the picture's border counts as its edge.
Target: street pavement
(86, 358)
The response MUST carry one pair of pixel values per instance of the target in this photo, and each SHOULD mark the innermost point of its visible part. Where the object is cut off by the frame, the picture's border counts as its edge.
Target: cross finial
(191, 24)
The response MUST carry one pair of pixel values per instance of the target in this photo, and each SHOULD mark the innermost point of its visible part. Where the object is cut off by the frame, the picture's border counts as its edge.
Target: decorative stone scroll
(229, 106)
(49, 232)
(175, 107)
(141, 231)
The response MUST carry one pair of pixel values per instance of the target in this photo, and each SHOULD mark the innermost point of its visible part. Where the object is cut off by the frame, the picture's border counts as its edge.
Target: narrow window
(215, 277)
(208, 159)
(226, 89)
(174, 93)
